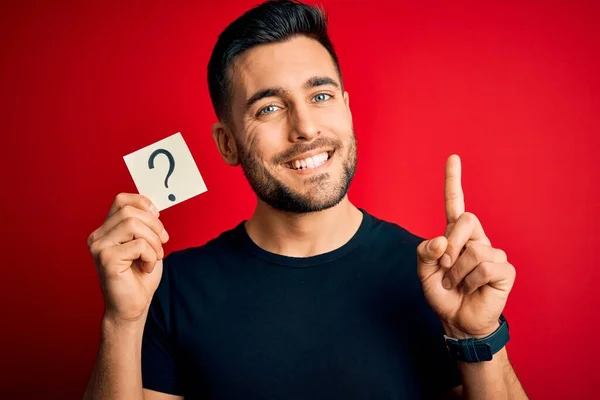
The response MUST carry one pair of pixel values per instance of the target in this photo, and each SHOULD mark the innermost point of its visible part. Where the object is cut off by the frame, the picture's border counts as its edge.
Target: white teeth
(310, 162)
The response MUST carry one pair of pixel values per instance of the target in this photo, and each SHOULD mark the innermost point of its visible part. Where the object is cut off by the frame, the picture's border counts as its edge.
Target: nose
(303, 125)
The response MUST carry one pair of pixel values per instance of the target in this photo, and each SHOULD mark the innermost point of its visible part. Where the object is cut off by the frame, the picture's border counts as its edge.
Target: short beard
(282, 198)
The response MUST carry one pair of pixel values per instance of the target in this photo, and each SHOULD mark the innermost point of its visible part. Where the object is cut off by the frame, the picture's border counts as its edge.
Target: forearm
(493, 379)
(117, 373)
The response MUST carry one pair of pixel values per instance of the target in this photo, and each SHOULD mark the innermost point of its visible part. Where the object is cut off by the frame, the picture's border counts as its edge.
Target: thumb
(430, 251)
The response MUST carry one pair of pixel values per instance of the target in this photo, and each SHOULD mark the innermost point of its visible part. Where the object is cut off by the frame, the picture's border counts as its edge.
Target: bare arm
(493, 379)
(127, 250)
(117, 373)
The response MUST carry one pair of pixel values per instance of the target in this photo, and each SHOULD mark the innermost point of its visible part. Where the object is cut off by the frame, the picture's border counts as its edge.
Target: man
(311, 298)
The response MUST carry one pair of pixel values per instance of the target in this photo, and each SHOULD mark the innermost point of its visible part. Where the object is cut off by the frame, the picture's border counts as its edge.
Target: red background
(512, 87)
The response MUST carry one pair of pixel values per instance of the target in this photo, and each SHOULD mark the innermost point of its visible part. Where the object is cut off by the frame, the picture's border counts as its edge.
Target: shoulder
(191, 258)
(389, 233)
(393, 248)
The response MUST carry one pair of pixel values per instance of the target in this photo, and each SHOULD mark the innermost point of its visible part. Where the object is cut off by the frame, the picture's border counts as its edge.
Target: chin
(301, 191)
(319, 197)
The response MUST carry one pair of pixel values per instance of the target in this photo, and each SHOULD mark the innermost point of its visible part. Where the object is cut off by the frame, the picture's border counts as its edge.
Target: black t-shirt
(230, 320)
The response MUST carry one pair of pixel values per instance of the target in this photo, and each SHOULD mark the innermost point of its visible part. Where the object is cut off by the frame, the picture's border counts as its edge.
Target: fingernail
(164, 235)
(445, 262)
(446, 283)
(154, 210)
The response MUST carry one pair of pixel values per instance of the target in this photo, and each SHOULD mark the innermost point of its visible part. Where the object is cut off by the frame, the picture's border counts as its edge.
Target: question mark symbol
(171, 166)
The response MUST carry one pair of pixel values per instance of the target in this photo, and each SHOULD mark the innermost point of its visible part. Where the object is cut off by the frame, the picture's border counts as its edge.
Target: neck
(303, 235)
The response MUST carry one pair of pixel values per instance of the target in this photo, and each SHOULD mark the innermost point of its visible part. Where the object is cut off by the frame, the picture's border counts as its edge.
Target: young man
(311, 298)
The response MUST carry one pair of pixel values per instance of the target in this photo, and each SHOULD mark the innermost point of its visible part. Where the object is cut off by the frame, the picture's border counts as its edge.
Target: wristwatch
(475, 350)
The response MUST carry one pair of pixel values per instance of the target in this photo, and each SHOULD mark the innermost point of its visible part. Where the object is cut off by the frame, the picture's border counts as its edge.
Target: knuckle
(131, 223)
(145, 202)
(94, 248)
(454, 274)
(479, 252)
(141, 245)
(502, 255)
(120, 199)
(126, 211)
(485, 269)
(91, 239)
(147, 248)
(138, 246)
(153, 252)
(104, 257)
(469, 217)
(476, 251)
(512, 269)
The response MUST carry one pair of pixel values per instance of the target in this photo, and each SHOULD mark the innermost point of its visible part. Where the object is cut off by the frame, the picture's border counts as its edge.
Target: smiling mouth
(310, 162)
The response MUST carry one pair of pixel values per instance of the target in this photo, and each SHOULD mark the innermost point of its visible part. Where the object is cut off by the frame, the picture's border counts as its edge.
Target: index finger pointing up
(453, 193)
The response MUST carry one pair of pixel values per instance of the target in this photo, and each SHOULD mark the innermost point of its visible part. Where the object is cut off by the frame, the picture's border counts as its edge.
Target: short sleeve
(159, 366)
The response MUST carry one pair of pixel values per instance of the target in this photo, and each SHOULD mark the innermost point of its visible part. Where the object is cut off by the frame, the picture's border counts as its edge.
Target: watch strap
(476, 350)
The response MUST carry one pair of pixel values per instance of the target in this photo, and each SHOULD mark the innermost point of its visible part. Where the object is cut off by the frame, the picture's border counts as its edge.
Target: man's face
(292, 125)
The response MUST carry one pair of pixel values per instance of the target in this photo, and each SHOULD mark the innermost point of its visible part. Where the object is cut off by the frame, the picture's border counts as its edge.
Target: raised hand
(127, 249)
(465, 280)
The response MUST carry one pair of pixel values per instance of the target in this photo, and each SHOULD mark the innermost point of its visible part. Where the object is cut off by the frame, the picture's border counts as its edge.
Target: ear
(347, 101)
(225, 143)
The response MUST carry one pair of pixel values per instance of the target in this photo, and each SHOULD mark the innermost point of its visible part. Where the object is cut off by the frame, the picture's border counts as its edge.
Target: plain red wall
(512, 87)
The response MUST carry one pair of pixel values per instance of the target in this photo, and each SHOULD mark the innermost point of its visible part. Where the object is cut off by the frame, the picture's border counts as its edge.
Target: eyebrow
(311, 82)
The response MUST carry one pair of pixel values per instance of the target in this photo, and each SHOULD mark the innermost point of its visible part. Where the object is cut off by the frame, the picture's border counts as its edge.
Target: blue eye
(271, 108)
(321, 96)
(263, 110)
